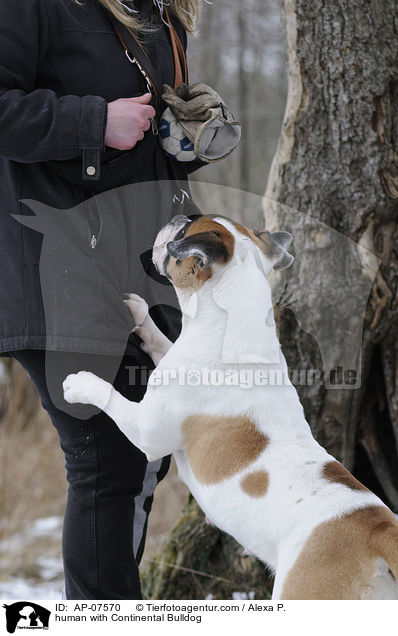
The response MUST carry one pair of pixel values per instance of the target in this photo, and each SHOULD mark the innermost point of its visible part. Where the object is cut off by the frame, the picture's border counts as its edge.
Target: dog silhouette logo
(26, 615)
(90, 256)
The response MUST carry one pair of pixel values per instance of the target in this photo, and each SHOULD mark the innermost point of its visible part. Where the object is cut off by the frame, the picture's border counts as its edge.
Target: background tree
(337, 163)
(241, 53)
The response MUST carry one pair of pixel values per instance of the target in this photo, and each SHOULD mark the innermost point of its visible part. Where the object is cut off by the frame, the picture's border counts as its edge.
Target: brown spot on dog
(261, 239)
(255, 484)
(251, 235)
(186, 275)
(338, 560)
(204, 244)
(204, 224)
(273, 245)
(224, 237)
(243, 230)
(219, 447)
(336, 472)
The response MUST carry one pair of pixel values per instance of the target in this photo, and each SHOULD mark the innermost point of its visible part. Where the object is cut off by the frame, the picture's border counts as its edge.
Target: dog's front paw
(138, 308)
(86, 388)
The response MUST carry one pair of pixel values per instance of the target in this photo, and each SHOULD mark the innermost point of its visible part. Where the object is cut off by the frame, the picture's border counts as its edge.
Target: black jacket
(60, 63)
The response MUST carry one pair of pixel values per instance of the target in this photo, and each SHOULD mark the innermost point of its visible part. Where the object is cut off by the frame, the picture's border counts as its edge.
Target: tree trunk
(336, 164)
(336, 175)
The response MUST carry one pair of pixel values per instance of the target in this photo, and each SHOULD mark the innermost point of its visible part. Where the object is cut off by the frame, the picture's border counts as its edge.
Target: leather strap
(133, 47)
(180, 61)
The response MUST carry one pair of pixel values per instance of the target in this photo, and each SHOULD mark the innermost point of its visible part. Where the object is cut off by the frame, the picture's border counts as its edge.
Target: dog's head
(190, 252)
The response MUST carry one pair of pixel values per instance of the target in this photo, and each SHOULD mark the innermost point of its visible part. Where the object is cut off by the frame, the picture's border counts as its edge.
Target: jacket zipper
(94, 223)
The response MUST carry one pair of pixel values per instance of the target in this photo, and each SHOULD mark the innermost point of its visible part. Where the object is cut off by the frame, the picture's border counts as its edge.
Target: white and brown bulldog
(246, 452)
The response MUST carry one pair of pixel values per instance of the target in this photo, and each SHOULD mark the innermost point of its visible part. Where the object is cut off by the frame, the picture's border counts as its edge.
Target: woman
(75, 122)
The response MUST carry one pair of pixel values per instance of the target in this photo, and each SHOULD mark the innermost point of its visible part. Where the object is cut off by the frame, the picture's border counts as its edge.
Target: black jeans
(111, 484)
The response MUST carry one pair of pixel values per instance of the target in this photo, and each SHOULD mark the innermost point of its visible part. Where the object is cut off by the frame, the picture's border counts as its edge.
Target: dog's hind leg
(154, 342)
(338, 560)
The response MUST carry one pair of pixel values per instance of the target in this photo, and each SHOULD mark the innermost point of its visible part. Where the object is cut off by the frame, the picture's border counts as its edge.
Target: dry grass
(32, 481)
(32, 476)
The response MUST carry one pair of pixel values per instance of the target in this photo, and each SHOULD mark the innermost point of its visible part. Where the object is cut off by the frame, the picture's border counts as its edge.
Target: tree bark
(337, 164)
(335, 178)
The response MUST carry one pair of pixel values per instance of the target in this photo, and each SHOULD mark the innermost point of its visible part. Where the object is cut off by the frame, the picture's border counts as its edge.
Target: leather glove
(205, 118)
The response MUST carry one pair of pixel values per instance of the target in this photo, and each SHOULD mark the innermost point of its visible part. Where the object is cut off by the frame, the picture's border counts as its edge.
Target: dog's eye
(180, 234)
(216, 232)
(178, 262)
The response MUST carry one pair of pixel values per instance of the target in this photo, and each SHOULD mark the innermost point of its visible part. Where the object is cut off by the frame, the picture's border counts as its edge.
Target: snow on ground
(16, 589)
(44, 527)
(31, 564)
(242, 596)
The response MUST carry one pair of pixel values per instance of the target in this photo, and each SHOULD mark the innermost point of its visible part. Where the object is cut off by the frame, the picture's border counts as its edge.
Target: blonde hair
(187, 11)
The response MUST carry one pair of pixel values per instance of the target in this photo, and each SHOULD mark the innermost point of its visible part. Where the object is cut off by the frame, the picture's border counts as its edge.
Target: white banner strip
(171, 617)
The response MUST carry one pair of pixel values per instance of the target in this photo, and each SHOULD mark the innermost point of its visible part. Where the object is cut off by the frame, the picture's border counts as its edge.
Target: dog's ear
(206, 247)
(44, 218)
(150, 269)
(275, 248)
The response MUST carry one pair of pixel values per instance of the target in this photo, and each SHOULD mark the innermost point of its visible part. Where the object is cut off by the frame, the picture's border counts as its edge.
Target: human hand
(128, 119)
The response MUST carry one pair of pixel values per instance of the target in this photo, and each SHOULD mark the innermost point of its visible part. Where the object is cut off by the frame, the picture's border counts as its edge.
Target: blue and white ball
(173, 138)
